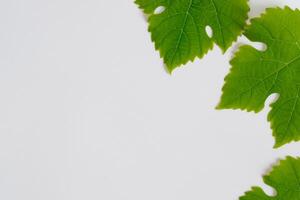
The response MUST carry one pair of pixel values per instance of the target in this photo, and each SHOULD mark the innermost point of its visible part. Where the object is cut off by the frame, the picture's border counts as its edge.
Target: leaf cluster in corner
(179, 32)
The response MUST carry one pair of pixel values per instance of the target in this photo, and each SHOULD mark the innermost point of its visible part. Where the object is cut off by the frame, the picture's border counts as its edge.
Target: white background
(87, 111)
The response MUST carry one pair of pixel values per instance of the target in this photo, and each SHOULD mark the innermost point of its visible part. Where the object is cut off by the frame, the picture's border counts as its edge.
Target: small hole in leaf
(159, 10)
(209, 31)
(269, 190)
(272, 99)
(260, 46)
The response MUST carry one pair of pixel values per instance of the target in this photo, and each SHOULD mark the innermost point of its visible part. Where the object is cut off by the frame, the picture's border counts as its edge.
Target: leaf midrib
(218, 20)
(182, 30)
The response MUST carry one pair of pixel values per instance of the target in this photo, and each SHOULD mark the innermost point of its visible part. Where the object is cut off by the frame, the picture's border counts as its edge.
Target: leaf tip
(277, 145)
(219, 106)
(169, 68)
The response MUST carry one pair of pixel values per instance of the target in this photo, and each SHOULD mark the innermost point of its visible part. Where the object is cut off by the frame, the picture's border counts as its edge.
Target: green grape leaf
(179, 32)
(284, 178)
(255, 75)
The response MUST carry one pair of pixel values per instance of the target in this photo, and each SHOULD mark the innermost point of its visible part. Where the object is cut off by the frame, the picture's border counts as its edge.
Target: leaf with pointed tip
(284, 178)
(255, 75)
(179, 32)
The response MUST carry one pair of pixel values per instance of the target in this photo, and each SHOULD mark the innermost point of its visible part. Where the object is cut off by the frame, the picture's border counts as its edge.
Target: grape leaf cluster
(180, 34)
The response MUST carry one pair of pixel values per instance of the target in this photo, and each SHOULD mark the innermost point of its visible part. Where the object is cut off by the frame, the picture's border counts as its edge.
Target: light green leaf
(255, 75)
(284, 178)
(179, 32)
